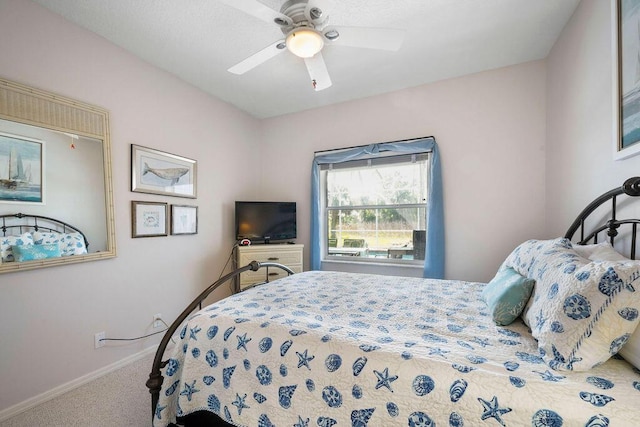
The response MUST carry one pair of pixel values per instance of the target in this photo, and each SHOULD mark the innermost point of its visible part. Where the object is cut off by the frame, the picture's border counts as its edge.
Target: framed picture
(157, 172)
(21, 169)
(184, 219)
(626, 61)
(148, 219)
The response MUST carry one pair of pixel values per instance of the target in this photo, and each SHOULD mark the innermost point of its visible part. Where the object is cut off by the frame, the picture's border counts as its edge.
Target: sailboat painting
(21, 166)
(629, 72)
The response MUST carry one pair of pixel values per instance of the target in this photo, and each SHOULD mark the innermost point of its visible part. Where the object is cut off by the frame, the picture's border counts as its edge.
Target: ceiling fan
(304, 24)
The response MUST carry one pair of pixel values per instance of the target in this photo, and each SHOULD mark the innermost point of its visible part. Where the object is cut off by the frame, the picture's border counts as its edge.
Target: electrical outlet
(157, 320)
(99, 339)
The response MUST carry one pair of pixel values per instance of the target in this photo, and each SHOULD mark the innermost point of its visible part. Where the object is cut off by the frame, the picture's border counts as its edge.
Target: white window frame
(379, 159)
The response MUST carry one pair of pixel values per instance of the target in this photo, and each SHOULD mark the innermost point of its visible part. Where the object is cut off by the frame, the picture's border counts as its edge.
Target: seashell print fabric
(581, 312)
(343, 349)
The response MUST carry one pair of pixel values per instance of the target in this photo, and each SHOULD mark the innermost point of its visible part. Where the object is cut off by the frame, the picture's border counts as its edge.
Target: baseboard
(25, 405)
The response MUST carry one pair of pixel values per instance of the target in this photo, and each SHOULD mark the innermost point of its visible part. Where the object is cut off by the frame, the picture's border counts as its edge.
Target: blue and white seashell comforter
(329, 348)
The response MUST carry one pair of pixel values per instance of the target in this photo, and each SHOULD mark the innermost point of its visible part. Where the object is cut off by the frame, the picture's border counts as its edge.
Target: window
(375, 209)
(371, 212)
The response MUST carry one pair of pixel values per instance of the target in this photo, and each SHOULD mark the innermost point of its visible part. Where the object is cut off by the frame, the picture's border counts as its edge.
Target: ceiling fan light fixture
(304, 42)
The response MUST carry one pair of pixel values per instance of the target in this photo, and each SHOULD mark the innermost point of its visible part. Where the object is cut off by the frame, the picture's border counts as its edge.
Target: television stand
(289, 254)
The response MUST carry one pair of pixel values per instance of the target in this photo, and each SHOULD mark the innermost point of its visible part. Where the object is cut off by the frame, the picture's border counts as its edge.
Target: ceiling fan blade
(369, 38)
(318, 72)
(317, 11)
(258, 58)
(260, 11)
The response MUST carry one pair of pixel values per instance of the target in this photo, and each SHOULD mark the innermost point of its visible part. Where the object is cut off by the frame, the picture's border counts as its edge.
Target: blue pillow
(33, 252)
(506, 295)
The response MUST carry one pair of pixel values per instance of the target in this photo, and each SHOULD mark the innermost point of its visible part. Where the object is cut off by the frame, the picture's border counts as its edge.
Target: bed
(330, 348)
(27, 237)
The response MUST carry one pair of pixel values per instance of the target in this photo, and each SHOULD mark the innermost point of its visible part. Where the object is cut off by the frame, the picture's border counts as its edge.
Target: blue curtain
(434, 259)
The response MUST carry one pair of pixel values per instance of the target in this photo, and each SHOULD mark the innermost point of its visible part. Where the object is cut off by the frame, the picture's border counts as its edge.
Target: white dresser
(286, 254)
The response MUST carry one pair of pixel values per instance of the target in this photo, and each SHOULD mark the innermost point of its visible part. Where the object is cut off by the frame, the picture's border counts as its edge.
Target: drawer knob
(273, 274)
(273, 258)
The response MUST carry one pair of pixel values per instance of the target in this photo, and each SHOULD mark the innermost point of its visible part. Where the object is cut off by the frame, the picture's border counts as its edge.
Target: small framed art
(157, 172)
(184, 219)
(148, 219)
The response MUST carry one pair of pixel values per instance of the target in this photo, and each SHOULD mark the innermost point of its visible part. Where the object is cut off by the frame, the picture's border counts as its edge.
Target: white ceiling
(198, 40)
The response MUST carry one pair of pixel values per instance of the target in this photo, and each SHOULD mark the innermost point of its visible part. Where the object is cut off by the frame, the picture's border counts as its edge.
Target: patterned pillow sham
(34, 252)
(42, 238)
(70, 243)
(8, 242)
(506, 295)
(580, 312)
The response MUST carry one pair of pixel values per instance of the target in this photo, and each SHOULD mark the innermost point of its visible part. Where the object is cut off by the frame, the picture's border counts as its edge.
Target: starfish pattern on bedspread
(492, 409)
(304, 359)
(189, 390)
(242, 341)
(384, 379)
(239, 403)
(193, 332)
(548, 376)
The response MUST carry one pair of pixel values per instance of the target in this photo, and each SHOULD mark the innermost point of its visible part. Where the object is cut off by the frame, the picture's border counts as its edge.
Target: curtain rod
(366, 145)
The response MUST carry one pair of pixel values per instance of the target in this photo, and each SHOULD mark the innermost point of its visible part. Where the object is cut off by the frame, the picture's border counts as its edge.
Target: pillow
(40, 238)
(523, 257)
(506, 295)
(580, 312)
(631, 350)
(33, 252)
(8, 242)
(70, 243)
(599, 252)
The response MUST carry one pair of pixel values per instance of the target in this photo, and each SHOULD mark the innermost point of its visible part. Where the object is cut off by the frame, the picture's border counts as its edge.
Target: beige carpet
(116, 399)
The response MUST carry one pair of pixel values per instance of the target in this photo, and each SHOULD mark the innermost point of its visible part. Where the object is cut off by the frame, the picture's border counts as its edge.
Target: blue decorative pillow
(581, 312)
(506, 295)
(33, 252)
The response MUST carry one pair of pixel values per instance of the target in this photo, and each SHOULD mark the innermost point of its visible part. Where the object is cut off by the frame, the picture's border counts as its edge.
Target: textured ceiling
(198, 40)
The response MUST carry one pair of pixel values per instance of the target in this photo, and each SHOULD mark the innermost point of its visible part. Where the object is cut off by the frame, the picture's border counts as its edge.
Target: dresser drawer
(281, 257)
(250, 277)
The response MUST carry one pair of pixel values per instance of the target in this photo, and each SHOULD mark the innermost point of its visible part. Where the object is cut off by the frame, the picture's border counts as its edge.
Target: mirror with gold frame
(71, 169)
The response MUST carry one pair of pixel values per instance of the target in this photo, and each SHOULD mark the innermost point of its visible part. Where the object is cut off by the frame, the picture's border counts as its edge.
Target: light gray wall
(580, 137)
(490, 129)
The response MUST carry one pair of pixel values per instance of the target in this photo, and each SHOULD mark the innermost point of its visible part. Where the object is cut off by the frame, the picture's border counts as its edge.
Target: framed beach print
(21, 169)
(148, 219)
(626, 62)
(184, 219)
(157, 172)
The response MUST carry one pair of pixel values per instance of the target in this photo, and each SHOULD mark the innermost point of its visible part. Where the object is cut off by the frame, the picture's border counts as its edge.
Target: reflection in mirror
(71, 182)
(55, 162)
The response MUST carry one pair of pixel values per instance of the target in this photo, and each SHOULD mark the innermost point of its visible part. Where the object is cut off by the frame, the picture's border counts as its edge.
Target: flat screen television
(263, 222)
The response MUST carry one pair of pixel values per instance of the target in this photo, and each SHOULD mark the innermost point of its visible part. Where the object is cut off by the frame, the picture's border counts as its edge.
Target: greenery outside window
(375, 209)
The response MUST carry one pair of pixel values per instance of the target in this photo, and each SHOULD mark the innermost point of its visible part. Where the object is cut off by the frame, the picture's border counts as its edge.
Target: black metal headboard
(610, 228)
(23, 222)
